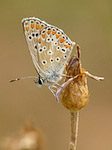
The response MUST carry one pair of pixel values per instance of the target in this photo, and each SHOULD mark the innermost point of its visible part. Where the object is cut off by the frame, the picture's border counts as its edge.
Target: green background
(88, 23)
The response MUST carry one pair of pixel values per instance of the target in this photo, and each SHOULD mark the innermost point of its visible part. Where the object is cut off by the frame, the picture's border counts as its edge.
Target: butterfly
(50, 49)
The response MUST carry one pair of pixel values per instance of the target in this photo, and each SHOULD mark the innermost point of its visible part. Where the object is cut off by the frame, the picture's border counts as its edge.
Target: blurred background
(89, 23)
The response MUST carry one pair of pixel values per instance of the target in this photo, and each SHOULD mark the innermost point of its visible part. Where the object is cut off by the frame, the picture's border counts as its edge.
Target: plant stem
(74, 129)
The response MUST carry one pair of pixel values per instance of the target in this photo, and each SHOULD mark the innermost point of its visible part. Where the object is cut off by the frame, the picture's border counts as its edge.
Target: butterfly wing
(31, 29)
(49, 46)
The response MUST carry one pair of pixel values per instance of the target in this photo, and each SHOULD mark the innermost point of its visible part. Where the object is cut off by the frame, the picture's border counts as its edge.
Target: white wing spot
(49, 52)
(44, 48)
(35, 46)
(65, 56)
(51, 60)
(30, 37)
(55, 43)
(63, 50)
(26, 23)
(40, 50)
(48, 39)
(58, 32)
(57, 59)
(43, 31)
(37, 22)
(42, 25)
(53, 29)
(36, 34)
(44, 62)
(52, 39)
(31, 21)
(63, 37)
(33, 34)
(58, 48)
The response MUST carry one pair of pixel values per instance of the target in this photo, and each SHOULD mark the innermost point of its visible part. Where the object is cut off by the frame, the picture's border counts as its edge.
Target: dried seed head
(75, 95)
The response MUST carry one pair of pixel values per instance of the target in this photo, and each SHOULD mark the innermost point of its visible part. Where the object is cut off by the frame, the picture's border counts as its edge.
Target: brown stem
(74, 129)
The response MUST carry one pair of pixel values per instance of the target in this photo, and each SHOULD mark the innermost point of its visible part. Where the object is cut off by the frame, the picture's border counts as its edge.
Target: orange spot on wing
(58, 35)
(26, 28)
(41, 27)
(37, 26)
(43, 35)
(67, 46)
(48, 32)
(39, 40)
(62, 40)
(32, 25)
(70, 47)
(53, 32)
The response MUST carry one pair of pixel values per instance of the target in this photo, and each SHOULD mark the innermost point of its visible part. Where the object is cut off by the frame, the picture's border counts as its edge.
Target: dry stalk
(74, 93)
(74, 129)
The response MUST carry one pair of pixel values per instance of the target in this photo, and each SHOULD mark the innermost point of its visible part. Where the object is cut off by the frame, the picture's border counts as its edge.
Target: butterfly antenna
(28, 77)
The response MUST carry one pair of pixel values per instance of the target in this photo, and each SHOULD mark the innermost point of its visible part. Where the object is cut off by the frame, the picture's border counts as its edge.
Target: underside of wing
(49, 46)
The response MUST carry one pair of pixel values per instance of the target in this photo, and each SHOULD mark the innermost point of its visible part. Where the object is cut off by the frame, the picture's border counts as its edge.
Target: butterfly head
(39, 81)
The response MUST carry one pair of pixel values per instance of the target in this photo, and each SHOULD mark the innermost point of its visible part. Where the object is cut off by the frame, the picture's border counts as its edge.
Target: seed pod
(74, 91)
(75, 95)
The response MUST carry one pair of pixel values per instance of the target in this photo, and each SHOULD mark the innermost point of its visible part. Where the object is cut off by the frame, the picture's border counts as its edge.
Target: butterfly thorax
(48, 80)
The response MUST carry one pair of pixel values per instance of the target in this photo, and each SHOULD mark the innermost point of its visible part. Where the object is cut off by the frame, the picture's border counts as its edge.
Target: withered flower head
(74, 92)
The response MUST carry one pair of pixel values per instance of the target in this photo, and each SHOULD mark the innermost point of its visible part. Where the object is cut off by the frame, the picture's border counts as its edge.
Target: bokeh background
(89, 23)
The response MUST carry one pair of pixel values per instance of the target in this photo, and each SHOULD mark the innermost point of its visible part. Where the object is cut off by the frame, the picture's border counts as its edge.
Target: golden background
(89, 23)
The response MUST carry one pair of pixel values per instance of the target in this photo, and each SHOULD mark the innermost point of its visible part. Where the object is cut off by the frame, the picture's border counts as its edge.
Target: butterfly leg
(53, 91)
(57, 85)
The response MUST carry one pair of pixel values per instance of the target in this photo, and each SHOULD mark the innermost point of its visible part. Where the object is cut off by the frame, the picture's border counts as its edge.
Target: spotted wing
(49, 47)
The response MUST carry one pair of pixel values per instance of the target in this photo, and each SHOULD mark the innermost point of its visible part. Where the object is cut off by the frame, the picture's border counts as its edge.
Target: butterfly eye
(40, 81)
